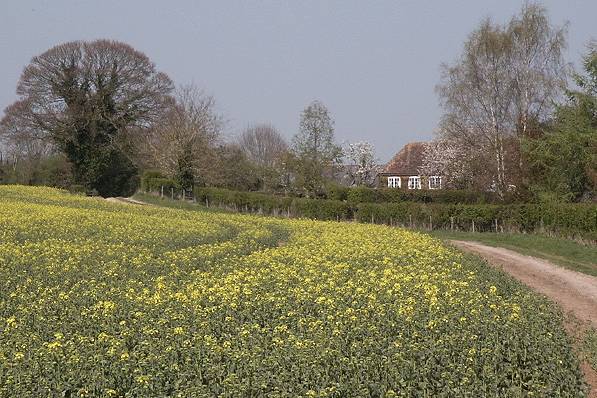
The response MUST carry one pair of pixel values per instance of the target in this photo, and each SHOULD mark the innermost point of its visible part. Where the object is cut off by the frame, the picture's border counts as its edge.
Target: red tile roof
(408, 161)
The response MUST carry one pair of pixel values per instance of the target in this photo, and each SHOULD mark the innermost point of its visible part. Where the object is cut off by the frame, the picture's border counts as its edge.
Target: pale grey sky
(373, 63)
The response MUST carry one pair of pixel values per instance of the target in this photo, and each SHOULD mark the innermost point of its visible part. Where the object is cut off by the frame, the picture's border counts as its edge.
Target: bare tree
(538, 70)
(263, 144)
(83, 96)
(506, 79)
(363, 163)
(265, 147)
(182, 143)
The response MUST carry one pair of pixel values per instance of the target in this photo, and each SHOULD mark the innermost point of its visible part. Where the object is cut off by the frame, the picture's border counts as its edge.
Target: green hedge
(565, 219)
(154, 181)
(390, 195)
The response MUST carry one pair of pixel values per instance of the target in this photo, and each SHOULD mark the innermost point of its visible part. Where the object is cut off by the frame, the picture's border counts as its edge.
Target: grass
(564, 252)
(173, 204)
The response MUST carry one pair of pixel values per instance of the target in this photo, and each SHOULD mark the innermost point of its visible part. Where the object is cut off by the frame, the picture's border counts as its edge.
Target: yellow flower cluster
(100, 299)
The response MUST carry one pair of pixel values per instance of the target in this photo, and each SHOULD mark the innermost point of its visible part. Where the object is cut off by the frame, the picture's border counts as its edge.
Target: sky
(374, 64)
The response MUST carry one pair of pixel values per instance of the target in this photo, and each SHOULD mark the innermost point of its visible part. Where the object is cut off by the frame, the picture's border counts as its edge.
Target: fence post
(430, 223)
(473, 225)
(496, 225)
(172, 193)
(162, 196)
(410, 220)
(452, 223)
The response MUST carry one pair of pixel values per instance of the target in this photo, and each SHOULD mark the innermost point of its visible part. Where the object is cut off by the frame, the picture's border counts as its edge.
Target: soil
(129, 201)
(574, 292)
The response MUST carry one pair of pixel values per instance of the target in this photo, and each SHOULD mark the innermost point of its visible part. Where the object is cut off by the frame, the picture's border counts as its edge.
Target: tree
(314, 148)
(265, 147)
(85, 97)
(504, 82)
(183, 143)
(24, 144)
(563, 160)
(538, 70)
(364, 164)
(454, 163)
(233, 170)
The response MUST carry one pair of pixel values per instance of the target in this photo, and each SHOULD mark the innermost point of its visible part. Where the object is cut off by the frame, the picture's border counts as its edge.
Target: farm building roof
(406, 162)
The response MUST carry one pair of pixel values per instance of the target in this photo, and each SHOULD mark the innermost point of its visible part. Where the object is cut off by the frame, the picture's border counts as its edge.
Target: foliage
(361, 156)
(182, 143)
(102, 299)
(564, 219)
(590, 347)
(265, 147)
(563, 160)
(155, 181)
(87, 98)
(504, 83)
(316, 153)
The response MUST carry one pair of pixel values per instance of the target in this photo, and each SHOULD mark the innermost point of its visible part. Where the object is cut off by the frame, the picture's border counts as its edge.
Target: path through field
(573, 291)
(129, 201)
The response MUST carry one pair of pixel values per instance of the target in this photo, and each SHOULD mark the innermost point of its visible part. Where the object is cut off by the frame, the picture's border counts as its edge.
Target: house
(403, 171)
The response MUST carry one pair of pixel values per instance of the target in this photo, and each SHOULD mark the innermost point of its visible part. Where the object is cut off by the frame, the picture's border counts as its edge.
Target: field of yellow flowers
(110, 300)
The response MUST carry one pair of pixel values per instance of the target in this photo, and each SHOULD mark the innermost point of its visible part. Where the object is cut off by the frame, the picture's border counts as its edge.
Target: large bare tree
(183, 143)
(263, 144)
(83, 97)
(265, 147)
(506, 78)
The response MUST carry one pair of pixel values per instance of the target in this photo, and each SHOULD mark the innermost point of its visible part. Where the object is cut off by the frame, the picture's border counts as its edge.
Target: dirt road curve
(572, 290)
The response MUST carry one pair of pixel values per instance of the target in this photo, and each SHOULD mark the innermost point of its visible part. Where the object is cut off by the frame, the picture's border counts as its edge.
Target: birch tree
(478, 97)
(506, 79)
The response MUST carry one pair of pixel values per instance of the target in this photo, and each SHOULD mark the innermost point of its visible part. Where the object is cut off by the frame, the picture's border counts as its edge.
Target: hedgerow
(579, 220)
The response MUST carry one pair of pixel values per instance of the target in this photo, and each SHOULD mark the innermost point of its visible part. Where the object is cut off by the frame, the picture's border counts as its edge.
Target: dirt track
(573, 291)
(129, 201)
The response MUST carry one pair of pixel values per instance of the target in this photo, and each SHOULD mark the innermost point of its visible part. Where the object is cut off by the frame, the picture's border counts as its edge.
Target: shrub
(564, 219)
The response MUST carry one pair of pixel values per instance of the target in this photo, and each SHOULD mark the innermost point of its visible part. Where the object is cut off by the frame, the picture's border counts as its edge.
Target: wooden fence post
(473, 225)
(162, 196)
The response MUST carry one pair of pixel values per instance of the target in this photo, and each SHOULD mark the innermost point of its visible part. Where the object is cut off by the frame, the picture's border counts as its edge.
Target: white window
(393, 182)
(414, 182)
(435, 182)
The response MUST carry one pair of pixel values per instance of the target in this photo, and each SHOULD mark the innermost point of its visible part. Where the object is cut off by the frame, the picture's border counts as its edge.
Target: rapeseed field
(110, 300)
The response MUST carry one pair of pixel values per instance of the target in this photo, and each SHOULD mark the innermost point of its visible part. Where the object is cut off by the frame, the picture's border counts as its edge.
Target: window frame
(437, 182)
(392, 182)
(416, 182)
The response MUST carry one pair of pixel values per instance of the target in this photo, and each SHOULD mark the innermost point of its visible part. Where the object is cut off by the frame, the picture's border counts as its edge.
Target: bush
(154, 181)
(564, 219)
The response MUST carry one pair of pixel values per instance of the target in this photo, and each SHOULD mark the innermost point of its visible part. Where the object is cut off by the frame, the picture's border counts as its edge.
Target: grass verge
(564, 252)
